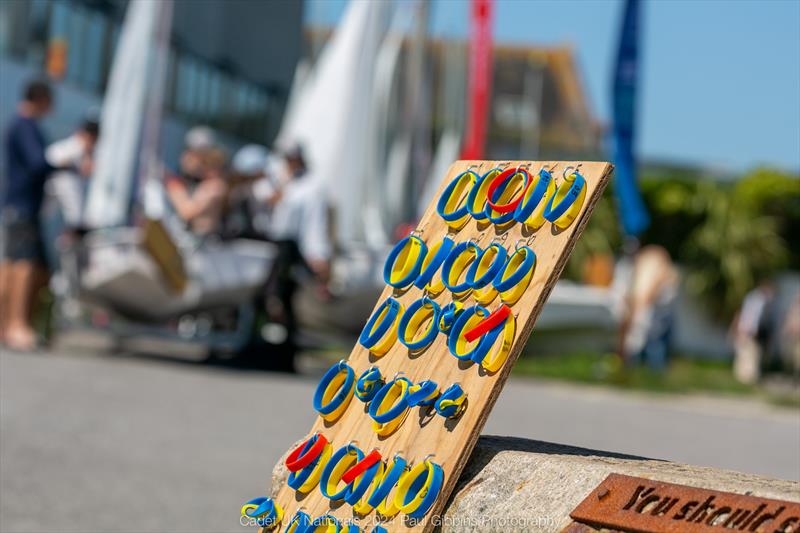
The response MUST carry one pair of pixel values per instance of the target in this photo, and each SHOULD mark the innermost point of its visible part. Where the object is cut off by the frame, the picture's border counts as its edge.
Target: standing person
(751, 330)
(646, 327)
(74, 156)
(22, 269)
(296, 221)
(300, 214)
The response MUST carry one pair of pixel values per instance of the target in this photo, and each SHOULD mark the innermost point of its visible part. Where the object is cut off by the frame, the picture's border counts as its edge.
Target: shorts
(22, 238)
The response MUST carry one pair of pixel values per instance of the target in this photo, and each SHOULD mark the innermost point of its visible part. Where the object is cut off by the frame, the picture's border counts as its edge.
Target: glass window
(201, 91)
(96, 27)
(76, 31)
(36, 40)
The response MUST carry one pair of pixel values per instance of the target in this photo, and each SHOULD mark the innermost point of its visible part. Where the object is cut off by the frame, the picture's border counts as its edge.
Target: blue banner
(633, 212)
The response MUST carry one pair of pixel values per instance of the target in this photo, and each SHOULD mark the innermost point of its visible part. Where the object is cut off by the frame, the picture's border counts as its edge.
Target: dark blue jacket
(26, 167)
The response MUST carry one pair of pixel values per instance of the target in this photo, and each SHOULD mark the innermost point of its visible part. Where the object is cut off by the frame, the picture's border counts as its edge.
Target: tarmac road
(113, 444)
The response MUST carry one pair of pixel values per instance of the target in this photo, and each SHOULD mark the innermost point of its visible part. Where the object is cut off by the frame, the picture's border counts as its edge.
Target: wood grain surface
(423, 433)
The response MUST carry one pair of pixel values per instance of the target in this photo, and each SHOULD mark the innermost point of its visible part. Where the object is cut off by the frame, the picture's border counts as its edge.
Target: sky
(720, 81)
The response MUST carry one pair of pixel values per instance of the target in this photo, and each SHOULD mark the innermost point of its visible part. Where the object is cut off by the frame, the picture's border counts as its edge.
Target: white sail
(331, 115)
(122, 115)
(381, 208)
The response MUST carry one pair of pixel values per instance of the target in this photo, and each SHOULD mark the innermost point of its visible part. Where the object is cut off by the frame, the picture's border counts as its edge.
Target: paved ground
(130, 444)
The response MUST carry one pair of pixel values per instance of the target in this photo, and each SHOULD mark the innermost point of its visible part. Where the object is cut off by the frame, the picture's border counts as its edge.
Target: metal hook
(475, 240)
(500, 240)
(399, 372)
(425, 459)
(573, 168)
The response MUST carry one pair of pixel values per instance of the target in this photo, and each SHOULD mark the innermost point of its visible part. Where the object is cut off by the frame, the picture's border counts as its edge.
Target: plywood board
(451, 441)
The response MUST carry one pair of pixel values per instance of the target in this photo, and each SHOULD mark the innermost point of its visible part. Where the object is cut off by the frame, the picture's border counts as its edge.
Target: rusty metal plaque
(634, 504)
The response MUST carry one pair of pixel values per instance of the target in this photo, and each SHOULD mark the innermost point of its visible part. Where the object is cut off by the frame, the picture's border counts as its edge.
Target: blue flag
(626, 73)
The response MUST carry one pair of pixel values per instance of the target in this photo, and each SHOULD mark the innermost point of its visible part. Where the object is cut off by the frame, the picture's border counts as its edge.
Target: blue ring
(303, 521)
(481, 349)
(527, 264)
(502, 218)
(296, 479)
(406, 318)
(419, 397)
(340, 396)
(449, 315)
(450, 261)
(265, 505)
(426, 275)
(398, 248)
(354, 493)
(365, 392)
(479, 215)
(497, 264)
(396, 410)
(390, 479)
(525, 209)
(441, 205)
(554, 213)
(379, 529)
(430, 496)
(452, 392)
(368, 338)
(326, 473)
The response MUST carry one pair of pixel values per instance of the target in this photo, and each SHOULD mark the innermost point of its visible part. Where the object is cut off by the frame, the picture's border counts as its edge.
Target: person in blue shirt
(21, 193)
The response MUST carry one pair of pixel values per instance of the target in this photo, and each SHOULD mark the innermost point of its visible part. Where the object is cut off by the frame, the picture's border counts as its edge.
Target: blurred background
(198, 197)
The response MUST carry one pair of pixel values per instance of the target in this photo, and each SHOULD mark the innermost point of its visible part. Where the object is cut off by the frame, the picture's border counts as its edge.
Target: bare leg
(19, 334)
(5, 275)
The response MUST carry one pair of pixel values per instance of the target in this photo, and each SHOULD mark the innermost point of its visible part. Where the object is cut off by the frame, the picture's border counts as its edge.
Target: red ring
(486, 325)
(295, 461)
(493, 186)
(362, 466)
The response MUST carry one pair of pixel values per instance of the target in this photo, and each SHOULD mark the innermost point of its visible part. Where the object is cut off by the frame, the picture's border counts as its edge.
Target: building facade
(231, 62)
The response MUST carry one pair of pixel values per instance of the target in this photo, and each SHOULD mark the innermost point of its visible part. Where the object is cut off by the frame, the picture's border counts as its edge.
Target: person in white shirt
(73, 156)
(290, 210)
(300, 214)
(750, 332)
(289, 203)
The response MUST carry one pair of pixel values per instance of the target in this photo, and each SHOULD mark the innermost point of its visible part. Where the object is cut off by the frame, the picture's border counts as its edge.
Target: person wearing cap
(259, 175)
(199, 193)
(197, 141)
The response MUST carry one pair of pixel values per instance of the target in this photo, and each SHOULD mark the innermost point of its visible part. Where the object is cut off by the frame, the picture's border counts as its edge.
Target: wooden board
(451, 441)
